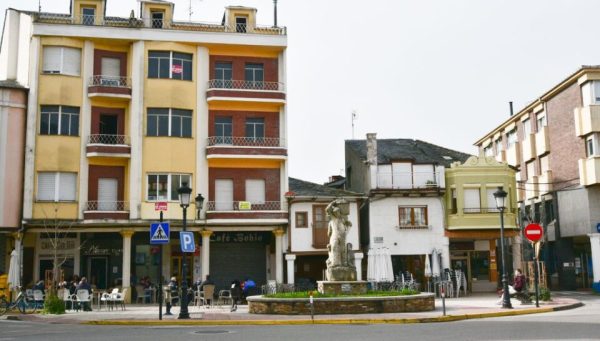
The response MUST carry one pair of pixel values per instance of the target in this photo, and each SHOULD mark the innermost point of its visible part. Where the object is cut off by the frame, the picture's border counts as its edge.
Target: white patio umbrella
(389, 269)
(371, 265)
(427, 271)
(377, 268)
(14, 278)
(435, 264)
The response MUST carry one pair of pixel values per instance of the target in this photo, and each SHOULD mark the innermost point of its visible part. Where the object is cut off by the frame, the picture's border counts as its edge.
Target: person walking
(173, 294)
(236, 294)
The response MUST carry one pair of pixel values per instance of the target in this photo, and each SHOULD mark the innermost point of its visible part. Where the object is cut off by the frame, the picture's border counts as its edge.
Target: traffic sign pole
(536, 279)
(160, 274)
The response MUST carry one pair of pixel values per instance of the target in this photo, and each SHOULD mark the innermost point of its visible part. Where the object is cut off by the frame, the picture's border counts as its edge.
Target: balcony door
(319, 227)
(224, 195)
(110, 71)
(107, 194)
(109, 128)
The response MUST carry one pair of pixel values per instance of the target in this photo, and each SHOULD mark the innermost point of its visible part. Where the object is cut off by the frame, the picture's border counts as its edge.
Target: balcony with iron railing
(269, 147)
(246, 209)
(106, 210)
(109, 86)
(107, 145)
(136, 23)
(424, 181)
(230, 89)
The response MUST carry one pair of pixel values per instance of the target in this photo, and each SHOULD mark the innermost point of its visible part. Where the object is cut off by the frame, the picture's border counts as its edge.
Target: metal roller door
(229, 261)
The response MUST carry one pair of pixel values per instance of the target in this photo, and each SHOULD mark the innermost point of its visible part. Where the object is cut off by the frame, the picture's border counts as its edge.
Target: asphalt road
(576, 324)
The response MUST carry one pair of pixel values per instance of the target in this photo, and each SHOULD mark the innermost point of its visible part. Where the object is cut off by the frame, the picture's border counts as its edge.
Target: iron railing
(132, 22)
(409, 180)
(244, 206)
(485, 210)
(245, 85)
(107, 206)
(108, 139)
(110, 81)
(246, 141)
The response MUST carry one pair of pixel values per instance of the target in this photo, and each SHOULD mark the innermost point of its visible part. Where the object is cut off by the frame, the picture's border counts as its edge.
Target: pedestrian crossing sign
(159, 233)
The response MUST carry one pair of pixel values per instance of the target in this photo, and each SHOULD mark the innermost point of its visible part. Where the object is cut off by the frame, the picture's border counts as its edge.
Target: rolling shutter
(224, 195)
(52, 59)
(255, 191)
(71, 61)
(46, 186)
(107, 194)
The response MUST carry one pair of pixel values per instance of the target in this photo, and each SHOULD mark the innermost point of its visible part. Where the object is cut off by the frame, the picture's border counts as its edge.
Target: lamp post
(500, 196)
(184, 201)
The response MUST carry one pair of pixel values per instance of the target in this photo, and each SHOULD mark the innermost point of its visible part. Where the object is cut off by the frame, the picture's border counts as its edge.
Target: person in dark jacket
(236, 294)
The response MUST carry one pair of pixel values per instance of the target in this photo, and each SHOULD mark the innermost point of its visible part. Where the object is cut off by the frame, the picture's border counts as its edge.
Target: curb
(447, 318)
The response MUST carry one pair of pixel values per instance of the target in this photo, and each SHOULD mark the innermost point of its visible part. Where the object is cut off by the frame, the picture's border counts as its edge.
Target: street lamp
(184, 201)
(500, 196)
(199, 203)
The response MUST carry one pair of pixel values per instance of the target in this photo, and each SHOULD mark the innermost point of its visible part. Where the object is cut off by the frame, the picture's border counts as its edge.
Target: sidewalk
(469, 307)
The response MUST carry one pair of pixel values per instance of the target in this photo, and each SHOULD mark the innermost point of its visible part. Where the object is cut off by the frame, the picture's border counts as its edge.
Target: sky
(435, 70)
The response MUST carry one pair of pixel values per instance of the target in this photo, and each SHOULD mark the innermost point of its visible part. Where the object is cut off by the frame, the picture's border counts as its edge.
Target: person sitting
(519, 288)
(248, 287)
(207, 281)
(84, 285)
(40, 286)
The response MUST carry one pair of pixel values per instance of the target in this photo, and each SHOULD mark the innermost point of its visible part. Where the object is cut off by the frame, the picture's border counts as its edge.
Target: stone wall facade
(342, 305)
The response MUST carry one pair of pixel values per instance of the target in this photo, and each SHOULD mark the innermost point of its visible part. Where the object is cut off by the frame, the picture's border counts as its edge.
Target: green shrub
(545, 294)
(54, 305)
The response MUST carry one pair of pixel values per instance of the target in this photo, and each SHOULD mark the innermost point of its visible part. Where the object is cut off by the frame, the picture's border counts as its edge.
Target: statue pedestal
(342, 287)
(341, 273)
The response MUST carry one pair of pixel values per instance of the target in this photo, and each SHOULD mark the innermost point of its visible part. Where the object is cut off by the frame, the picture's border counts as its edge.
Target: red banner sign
(160, 206)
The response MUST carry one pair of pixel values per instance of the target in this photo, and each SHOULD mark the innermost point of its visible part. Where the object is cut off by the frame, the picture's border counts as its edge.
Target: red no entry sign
(533, 232)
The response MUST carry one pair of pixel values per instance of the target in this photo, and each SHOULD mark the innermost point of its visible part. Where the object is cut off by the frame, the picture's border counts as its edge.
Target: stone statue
(340, 264)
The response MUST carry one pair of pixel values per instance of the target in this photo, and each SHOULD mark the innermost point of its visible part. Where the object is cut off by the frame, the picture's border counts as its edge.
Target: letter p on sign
(186, 240)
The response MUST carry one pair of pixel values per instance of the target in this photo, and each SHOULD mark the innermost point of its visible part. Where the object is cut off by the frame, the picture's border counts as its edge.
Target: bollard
(443, 300)
(312, 308)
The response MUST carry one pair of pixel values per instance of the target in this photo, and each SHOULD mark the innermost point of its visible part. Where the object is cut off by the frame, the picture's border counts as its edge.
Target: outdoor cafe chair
(119, 298)
(67, 298)
(83, 297)
(38, 298)
(105, 299)
(207, 294)
(142, 294)
(224, 297)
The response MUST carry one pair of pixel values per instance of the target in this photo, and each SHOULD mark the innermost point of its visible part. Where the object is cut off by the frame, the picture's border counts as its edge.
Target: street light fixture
(500, 196)
(199, 203)
(184, 201)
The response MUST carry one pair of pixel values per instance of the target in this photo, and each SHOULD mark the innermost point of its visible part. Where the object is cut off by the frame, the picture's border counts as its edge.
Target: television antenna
(353, 119)
(190, 10)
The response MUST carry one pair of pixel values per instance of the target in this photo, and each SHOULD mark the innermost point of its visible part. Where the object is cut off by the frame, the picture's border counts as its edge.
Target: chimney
(372, 148)
(511, 108)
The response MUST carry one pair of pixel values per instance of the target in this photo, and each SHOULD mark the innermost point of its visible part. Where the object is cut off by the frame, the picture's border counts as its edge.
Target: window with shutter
(46, 186)
(255, 191)
(71, 61)
(491, 201)
(111, 71)
(472, 200)
(68, 186)
(224, 195)
(52, 59)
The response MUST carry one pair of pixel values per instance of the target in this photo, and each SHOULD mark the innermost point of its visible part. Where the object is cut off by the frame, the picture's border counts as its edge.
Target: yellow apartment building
(122, 111)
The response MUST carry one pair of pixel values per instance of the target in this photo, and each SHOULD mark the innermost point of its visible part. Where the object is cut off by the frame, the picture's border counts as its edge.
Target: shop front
(240, 255)
(102, 259)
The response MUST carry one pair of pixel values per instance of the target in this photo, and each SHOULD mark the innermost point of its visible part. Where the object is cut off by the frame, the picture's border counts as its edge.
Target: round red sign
(534, 232)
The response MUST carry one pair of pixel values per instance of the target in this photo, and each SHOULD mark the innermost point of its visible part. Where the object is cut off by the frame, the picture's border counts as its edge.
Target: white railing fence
(244, 206)
(409, 180)
(107, 206)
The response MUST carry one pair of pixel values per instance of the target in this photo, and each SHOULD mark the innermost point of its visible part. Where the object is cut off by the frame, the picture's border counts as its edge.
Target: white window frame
(541, 120)
(592, 141)
(526, 128)
(511, 138)
(61, 70)
(169, 181)
(170, 126)
(499, 146)
(488, 150)
(58, 186)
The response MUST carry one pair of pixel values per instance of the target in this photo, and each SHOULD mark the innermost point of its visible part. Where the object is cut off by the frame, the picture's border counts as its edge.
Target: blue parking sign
(187, 241)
